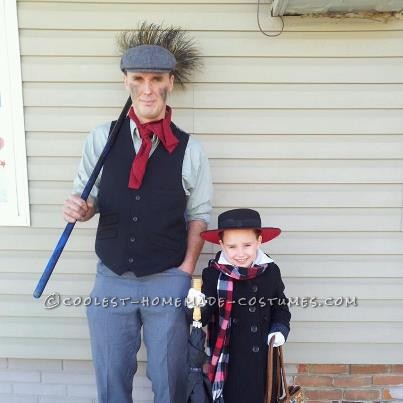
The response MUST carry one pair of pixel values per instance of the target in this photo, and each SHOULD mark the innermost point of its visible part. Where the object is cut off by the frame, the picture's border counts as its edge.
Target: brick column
(348, 382)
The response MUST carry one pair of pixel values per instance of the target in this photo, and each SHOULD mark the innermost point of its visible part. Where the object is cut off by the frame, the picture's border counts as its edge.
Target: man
(153, 197)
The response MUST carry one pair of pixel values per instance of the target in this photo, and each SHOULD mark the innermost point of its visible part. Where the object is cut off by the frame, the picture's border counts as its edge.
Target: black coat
(250, 325)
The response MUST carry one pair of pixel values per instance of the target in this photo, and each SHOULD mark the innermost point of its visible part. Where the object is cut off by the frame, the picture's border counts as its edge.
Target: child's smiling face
(240, 246)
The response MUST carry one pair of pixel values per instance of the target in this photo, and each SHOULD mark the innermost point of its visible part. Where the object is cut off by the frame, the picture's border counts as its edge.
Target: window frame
(14, 208)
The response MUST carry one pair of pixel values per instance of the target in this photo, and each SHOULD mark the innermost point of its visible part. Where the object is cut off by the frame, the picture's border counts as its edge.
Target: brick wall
(348, 383)
(69, 381)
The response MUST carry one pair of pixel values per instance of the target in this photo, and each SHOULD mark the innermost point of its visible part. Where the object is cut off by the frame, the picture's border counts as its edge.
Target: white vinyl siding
(306, 127)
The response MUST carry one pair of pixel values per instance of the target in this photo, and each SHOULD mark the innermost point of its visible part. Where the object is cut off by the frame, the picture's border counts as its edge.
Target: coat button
(138, 197)
(253, 328)
(131, 260)
(135, 219)
(254, 288)
(252, 308)
(234, 321)
(132, 239)
(255, 349)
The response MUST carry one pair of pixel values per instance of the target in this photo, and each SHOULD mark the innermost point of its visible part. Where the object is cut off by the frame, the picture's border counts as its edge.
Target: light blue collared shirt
(196, 176)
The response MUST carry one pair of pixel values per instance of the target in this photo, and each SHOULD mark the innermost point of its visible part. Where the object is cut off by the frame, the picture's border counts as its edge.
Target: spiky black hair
(187, 54)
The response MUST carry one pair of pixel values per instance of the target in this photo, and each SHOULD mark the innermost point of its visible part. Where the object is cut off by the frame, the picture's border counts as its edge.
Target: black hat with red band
(241, 218)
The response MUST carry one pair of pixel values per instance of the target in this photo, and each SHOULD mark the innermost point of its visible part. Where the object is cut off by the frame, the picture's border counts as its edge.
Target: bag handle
(273, 357)
(269, 387)
(286, 392)
(276, 354)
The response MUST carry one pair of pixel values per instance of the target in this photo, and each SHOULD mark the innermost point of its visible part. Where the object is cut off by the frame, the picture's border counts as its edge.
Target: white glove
(279, 339)
(195, 298)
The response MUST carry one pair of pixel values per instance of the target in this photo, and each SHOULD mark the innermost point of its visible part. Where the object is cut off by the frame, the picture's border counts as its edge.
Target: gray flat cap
(148, 58)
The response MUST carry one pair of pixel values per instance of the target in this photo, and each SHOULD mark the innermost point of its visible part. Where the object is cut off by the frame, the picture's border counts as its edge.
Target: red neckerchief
(162, 129)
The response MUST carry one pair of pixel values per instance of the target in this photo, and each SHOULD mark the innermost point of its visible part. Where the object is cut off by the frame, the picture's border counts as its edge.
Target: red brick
(387, 380)
(396, 369)
(313, 380)
(323, 394)
(369, 369)
(349, 381)
(302, 368)
(362, 394)
(328, 369)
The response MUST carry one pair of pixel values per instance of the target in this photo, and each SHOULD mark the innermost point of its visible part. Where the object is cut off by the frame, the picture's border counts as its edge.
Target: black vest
(143, 230)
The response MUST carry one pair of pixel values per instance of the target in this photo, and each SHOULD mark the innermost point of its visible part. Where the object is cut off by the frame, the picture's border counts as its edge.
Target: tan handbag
(277, 389)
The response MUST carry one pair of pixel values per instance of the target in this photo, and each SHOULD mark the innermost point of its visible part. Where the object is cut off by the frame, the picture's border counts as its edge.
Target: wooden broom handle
(196, 311)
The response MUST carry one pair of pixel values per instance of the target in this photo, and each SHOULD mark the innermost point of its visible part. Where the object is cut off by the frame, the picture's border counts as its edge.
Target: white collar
(261, 258)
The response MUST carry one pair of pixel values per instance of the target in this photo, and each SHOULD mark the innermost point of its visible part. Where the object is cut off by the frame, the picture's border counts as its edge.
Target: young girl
(245, 306)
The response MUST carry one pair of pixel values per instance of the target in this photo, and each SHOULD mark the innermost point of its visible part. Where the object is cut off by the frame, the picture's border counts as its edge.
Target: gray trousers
(121, 306)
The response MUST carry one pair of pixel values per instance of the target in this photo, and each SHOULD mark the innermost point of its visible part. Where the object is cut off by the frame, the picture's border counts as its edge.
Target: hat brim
(267, 233)
(147, 70)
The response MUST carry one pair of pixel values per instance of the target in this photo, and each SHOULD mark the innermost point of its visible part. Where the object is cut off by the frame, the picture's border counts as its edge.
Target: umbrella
(199, 386)
(84, 195)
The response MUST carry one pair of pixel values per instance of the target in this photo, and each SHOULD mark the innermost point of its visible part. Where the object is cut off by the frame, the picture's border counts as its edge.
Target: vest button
(252, 308)
(255, 349)
(131, 260)
(138, 197)
(135, 219)
(132, 239)
(253, 328)
(254, 288)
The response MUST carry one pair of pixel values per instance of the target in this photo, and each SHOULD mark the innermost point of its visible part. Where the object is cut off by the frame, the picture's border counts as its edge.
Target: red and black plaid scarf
(220, 352)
